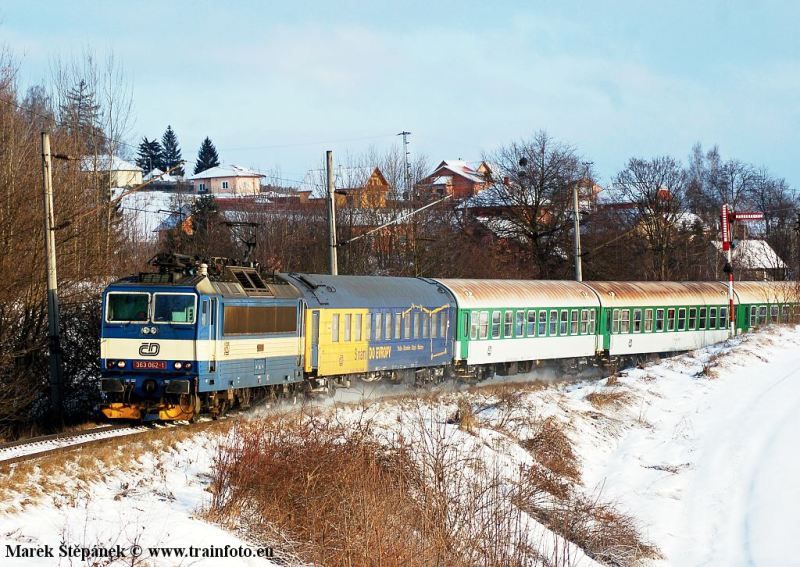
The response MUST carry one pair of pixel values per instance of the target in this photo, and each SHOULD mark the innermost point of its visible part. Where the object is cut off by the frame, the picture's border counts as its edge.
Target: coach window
(563, 327)
(723, 317)
(407, 325)
(648, 320)
(637, 320)
(508, 324)
(573, 322)
(553, 323)
(474, 325)
(773, 314)
(615, 319)
(426, 323)
(785, 314)
(701, 324)
(414, 327)
(520, 330)
(378, 326)
(495, 324)
(532, 323)
(762, 315)
(692, 318)
(398, 324)
(682, 319)
(659, 320)
(435, 322)
(443, 325)
(348, 322)
(484, 327)
(542, 323)
(358, 321)
(625, 321)
(584, 321)
(204, 312)
(712, 318)
(753, 320)
(670, 320)
(592, 319)
(335, 328)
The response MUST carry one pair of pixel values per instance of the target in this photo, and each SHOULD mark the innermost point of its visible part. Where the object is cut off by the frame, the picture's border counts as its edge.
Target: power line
(276, 146)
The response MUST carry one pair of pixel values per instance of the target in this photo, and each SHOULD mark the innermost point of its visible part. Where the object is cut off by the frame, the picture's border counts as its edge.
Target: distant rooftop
(225, 171)
(101, 163)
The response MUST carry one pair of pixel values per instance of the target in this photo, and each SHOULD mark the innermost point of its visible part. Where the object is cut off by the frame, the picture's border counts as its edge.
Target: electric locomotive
(193, 339)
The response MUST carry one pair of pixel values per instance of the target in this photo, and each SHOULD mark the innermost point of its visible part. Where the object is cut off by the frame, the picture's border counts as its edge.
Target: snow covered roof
(101, 163)
(461, 168)
(164, 178)
(225, 171)
(754, 255)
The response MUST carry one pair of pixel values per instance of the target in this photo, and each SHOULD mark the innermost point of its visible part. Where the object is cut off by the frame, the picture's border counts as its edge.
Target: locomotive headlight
(178, 365)
(145, 330)
(187, 365)
(120, 364)
(110, 364)
(153, 330)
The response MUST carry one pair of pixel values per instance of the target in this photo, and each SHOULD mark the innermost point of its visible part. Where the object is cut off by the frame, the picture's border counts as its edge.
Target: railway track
(37, 447)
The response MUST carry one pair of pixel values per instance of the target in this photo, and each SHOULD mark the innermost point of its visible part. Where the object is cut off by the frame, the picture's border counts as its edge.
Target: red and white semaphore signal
(727, 219)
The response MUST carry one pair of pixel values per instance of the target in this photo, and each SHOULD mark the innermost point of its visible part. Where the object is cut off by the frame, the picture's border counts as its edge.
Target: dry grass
(615, 398)
(552, 448)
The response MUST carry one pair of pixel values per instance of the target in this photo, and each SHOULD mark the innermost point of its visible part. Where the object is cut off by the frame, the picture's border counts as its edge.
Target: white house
(227, 180)
(121, 173)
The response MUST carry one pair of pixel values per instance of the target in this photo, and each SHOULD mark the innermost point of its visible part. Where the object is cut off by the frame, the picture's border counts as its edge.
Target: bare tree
(531, 194)
(657, 189)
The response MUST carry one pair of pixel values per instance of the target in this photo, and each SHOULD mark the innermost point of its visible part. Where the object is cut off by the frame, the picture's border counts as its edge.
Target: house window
(201, 188)
(224, 184)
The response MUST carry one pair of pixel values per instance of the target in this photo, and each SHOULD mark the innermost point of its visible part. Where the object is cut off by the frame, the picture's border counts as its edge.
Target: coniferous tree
(150, 155)
(80, 114)
(172, 151)
(207, 157)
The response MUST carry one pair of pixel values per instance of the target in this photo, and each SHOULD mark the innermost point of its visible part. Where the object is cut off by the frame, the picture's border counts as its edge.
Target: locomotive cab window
(127, 307)
(174, 307)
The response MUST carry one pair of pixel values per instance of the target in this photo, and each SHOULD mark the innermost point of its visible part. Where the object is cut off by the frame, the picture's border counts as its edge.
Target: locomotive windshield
(174, 308)
(128, 307)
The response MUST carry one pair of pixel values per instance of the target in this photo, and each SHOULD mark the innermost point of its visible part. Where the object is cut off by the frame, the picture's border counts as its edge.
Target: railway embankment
(677, 462)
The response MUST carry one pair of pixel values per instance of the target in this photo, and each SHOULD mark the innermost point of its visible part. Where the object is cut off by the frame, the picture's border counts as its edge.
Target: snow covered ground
(700, 449)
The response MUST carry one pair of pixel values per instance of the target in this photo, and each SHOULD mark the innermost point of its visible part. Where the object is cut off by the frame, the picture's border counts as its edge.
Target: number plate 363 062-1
(149, 364)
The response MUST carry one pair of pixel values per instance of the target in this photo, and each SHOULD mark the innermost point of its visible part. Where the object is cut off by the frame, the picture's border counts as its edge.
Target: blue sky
(275, 84)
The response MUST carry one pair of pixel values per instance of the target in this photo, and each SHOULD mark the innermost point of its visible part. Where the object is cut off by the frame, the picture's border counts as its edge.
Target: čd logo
(149, 349)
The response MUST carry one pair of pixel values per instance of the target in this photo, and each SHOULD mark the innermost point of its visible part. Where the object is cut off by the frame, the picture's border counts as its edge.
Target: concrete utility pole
(53, 334)
(331, 214)
(406, 166)
(578, 267)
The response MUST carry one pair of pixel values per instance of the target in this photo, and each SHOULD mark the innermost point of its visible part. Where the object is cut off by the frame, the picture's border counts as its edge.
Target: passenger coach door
(314, 337)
